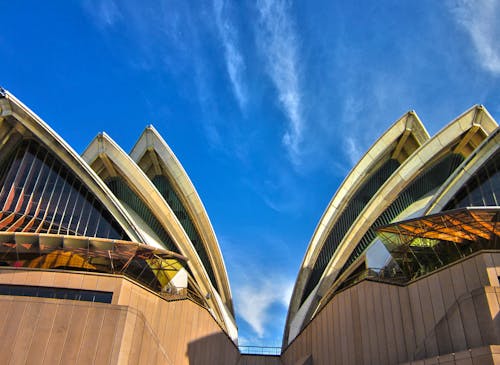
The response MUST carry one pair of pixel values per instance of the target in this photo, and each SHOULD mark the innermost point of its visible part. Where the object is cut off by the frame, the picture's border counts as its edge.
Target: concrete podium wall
(452, 310)
(138, 327)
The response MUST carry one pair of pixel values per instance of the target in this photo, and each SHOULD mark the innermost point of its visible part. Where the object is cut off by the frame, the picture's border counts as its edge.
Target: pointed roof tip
(3, 92)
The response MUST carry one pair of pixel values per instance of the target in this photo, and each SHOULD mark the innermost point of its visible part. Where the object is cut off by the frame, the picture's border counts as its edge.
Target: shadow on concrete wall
(214, 349)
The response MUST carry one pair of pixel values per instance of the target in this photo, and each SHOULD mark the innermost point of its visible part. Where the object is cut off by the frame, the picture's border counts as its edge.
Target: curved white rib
(171, 168)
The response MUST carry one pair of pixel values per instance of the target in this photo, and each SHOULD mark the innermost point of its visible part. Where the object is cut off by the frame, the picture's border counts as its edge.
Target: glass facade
(428, 180)
(126, 195)
(421, 245)
(172, 199)
(41, 195)
(482, 188)
(152, 268)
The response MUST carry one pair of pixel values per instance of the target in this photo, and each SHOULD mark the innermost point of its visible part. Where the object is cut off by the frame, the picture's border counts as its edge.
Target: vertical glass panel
(482, 188)
(42, 195)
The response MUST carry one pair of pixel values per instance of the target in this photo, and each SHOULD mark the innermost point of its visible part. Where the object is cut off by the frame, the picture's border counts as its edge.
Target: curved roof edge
(407, 124)
(39, 129)
(473, 163)
(151, 139)
(128, 169)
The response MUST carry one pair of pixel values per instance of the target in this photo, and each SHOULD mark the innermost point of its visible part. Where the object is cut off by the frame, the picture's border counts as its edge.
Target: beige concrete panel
(349, 327)
(142, 340)
(442, 331)
(429, 320)
(456, 327)
(332, 349)
(356, 325)
(172, 324)
(20, 277)
(458, 279)
(480, 263)
(32, 278)
(397, 321)
(315, 349)
(61, 280)
(109, 284)
(6, 276)
(373, 322)
(57, 336)
(134, 340)
(494, 310)
(180, 357)
(90, 336)
(364, 322)
(162, 322)
(388, 315)
(76, 328)
(75, 280)
(10, 330)
(128, 347)
(110, 335)
(125, 294)
(496, 258)
(407, 321)
(90, 282)
(6, 307)
(41, 330)
(471, 275)
(470, 322)
(380, 324)
(484, 317)
(418, 319)
(25, 333)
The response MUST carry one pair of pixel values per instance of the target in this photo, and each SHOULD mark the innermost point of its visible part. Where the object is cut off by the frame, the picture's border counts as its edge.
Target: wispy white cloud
(277, 38)
(480, 19)
(235, 64)
(254, 299)
(106, 12)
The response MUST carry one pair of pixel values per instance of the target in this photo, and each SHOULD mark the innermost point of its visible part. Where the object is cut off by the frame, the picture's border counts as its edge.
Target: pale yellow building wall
(139, 327)
(449, 311)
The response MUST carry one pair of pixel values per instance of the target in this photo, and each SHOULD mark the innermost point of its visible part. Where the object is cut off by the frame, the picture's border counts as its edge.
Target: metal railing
(260, 350)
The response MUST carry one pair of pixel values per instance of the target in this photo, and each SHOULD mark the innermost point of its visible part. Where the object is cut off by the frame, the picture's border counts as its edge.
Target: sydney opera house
(109, 257)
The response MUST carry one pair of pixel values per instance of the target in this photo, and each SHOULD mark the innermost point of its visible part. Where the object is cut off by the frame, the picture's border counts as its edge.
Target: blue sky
(266, 103)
